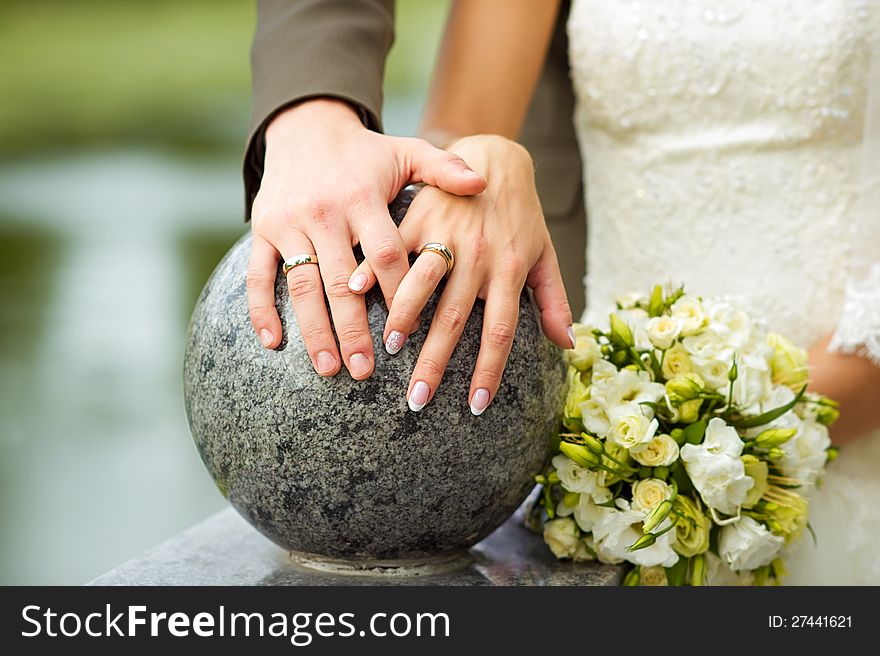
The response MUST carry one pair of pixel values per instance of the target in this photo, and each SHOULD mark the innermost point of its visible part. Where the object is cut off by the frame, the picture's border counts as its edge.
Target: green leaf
(767, 417)
(693, 434)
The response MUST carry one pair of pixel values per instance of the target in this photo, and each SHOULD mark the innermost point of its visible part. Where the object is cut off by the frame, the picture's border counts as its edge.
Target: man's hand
(326, 187)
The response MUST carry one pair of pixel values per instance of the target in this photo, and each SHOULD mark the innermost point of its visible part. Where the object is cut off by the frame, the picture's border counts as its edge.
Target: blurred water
(103, 256)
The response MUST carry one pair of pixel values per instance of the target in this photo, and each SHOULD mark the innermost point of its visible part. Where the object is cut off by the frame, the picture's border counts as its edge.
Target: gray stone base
(226, 550)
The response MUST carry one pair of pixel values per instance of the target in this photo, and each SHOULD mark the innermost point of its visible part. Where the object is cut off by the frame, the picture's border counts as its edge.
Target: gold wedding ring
(298, 260)
(441, 250)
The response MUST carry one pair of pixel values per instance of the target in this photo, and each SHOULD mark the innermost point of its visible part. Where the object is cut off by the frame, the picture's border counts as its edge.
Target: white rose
(707, 346)
(630, 300)
(630, 386)
(730, 322)
(648, 493)
(713, 372)
(689, 312)
(586, 513)
(663, 330)
(715, 468)
(748, 545)
(661, 451)
(586, 349)
(575, 478)
(562, 536)
(603, 373)
(594, 418)
(805, 454)
(718, 573)
(618, 529)
(752, 382)
(630, 425)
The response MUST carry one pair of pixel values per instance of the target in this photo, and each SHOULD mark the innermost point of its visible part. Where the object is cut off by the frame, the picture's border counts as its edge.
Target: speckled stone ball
(342, 469)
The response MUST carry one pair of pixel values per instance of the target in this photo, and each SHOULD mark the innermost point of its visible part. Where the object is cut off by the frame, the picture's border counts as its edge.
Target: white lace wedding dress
(723, 144)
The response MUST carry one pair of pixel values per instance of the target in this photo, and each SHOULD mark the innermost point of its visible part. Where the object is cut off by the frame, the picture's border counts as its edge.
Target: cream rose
(788, 363)
(692, 530)
(661, 451)
(575, 478)
(748, 545)
(586, 350)
(676, 361)
(652, 576)
(663, 330)
(648, 493)
(562, 536)
(689, 312)
(630, 427)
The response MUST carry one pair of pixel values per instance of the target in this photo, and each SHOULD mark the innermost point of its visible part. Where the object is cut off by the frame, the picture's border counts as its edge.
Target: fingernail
(394, 342)
(480, 401)
(470, 173)
(325, 362)
(418, 398)
(266, 337)
(358, 365)
(357, 282)
(571, 336)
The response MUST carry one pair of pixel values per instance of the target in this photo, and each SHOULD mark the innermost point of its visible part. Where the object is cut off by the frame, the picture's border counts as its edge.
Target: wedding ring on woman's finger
(298, 260)
(442, 250)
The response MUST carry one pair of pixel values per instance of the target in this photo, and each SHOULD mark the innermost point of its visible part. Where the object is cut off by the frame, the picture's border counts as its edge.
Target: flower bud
(632, 578)
(643, 542)
(677, 434)
(734, 371)
(553, 477)
(571, 499)
(579, 454)
(831, 454)
(620, 332)
(827, 415)
(593, 444)
(684, 387)
(775, 437)
(775, 453)
(540, 479)
(661, 472)
(644, 472)
(655, 304)
(689, 411)
(657, 516)
(789, 362)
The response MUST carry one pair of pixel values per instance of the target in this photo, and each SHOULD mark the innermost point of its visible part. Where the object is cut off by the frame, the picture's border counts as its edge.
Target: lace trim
(858, 330)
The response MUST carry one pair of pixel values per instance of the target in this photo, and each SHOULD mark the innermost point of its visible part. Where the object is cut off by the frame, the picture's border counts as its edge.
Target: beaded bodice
(722, 143)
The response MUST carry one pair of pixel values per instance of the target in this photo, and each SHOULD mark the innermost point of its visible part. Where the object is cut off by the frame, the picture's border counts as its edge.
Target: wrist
(313, 113)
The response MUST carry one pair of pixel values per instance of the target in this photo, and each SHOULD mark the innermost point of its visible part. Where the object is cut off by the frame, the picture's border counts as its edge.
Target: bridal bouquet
(688, 445)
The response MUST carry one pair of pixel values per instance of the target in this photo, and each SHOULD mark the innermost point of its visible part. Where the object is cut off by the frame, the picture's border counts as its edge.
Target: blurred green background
(121, 129)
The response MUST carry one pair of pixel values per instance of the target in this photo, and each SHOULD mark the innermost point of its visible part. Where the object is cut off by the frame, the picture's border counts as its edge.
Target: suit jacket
(308, 48)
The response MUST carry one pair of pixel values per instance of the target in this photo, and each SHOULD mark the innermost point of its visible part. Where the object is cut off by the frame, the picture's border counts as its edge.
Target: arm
(320, 180)
(490, 60)
(854, 381)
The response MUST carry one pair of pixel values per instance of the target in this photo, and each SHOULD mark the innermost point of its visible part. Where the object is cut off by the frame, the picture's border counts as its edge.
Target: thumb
(422, 162)
(551, 299)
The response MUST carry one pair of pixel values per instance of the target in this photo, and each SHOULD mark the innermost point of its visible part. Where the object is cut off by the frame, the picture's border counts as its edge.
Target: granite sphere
(342, 469)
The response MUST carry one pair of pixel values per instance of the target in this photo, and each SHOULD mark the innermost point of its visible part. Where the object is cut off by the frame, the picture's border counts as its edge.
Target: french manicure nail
(394, 342)
(325, 362)
(358, 365)
(570, 331)
(480, 401)
(357, 282)
(266, 337)
(418, 398)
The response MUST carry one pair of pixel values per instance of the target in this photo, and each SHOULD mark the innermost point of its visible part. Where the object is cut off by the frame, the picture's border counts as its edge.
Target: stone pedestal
(225, 550)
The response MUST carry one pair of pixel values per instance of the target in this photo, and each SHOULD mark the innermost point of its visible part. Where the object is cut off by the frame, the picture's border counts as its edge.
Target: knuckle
(388, 253)
(349, 335)
(259, 279)
(452, 319)
(501, 334)
(260, 311)
(313, 334)
(337, 286)
(431, 368)
(428, 276)
(479, 247)
(490, 374)
(301, 284)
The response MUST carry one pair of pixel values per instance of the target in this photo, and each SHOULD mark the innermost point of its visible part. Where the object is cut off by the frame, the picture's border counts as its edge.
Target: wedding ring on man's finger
(441, 250)
(298, 260)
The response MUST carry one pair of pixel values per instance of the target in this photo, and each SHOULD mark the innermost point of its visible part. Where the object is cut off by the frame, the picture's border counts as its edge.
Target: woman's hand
(500, 243)
(851, 380)
(327, 184)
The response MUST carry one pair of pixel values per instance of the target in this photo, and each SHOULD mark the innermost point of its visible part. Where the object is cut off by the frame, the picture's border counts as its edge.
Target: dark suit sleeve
(308, 48)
